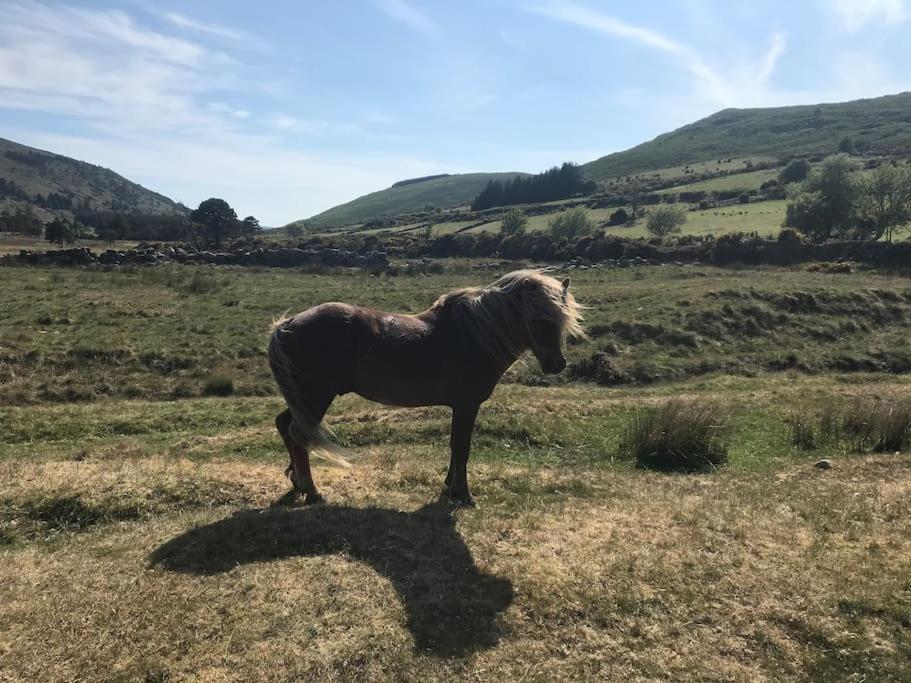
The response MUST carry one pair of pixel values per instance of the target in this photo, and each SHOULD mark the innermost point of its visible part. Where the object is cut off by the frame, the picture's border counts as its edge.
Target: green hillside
(883, 123)
(49, 183)
(441, 191)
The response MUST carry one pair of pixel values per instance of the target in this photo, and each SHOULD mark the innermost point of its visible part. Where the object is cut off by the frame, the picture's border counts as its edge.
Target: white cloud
(855, 14)
(228, 109)
(743, 84)
(157, 109)
(403, 12)
(186, 22)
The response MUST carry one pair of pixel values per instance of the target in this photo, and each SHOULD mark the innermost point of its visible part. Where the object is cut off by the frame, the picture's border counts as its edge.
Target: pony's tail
(305, 429)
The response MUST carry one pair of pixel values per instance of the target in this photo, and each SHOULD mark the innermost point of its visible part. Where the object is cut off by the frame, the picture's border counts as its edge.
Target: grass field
(140, 539)
(751, 180)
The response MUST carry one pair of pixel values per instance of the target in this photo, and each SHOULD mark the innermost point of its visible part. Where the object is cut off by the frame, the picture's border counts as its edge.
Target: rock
(823, 464)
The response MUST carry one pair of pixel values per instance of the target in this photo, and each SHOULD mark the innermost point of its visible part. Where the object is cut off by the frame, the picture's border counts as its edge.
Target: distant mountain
(882, 123)
(441, 191)
(879, 124)
(52, 184)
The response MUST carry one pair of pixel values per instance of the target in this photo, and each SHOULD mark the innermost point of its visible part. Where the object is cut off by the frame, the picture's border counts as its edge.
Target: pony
(453, 354)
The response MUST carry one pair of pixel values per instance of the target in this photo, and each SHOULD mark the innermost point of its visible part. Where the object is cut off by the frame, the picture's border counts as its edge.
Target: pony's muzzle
(553, 366)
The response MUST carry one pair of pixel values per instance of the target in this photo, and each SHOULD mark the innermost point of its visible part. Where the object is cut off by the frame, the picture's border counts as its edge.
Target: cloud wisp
(405, 13)
(856, 14)
(747, 83)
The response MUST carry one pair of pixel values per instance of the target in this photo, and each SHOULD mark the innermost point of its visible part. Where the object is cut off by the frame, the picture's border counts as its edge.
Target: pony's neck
(506, 343)
(512, 331)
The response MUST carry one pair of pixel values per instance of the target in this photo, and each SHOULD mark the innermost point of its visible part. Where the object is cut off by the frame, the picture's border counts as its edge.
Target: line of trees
(837, 200)
(212, 224)
(559, 182)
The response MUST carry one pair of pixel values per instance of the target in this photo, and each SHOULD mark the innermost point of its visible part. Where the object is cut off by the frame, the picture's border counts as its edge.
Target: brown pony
(453, 354)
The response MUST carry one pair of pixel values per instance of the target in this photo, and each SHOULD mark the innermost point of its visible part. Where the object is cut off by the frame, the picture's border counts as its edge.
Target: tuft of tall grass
(219, 384)
(865, 425)
(682, 436)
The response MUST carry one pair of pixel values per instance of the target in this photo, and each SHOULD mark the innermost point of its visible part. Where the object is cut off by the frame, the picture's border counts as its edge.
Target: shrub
(513, 223)
(219, 384)
(619, 217)
(664, 220)
(795, 171)
(571, 225)
(683, 436)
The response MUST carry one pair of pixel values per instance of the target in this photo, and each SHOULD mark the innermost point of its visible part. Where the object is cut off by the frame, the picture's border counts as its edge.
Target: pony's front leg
(463, 418)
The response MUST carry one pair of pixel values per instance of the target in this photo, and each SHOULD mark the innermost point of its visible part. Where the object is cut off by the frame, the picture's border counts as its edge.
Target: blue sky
(288, 108)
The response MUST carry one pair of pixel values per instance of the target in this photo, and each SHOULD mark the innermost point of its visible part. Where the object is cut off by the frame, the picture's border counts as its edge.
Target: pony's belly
(403, 395)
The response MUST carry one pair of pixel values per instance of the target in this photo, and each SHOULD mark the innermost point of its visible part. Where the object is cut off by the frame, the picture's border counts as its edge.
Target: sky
(285, 109)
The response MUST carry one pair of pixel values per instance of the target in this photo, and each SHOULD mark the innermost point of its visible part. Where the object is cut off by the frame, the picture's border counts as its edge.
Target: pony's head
(525, 309)
(549, 312)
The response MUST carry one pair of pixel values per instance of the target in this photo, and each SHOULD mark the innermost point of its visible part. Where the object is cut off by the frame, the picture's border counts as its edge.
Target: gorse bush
(683, 436)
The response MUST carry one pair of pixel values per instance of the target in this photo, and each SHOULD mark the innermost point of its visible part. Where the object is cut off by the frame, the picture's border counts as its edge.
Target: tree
(249, 226)
(825, 204)
(60, 230)
(884, 201)
(558, 182)
(664, 220)
(796, 171)
(570, 225)
(216, 220)
(513, 223)
(846, 146)
(294, 230)
(635, 200)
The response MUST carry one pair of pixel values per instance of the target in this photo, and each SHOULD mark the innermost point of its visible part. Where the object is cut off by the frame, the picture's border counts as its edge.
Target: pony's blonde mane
(485, 313)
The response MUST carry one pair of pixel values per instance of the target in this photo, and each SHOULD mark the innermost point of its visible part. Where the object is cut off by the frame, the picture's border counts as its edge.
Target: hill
(443, 192)
(882, 123)
(50, 183)
(714, 146)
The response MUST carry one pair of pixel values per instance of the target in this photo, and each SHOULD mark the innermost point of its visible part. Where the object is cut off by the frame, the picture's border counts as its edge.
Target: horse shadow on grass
(451, 605)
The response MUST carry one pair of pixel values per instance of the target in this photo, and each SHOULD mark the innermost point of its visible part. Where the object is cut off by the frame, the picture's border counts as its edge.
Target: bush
(795, 171)
(619, 217)
(219, 385)
(513, 223)
(571, 225)
(682, 436)
(664, 220)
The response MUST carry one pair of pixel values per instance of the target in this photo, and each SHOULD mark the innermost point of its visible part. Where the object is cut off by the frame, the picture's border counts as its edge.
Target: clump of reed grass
(682, 436)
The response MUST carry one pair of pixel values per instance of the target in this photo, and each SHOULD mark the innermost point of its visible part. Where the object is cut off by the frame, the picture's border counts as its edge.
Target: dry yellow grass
(603, 574)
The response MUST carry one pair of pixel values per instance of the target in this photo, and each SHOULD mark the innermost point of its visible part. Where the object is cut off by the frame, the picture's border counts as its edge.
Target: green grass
(148, 537)
(163, 332)
(750, 180)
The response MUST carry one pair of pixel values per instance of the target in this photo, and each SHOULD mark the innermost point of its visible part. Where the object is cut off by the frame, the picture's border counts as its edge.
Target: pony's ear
(565, 288)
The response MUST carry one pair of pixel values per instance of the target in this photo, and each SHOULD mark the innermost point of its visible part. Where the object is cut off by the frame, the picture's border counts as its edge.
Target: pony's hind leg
(299, 468)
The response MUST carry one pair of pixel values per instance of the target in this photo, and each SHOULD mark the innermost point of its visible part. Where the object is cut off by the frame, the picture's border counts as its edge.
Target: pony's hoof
(313, 498)
(462, 502)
